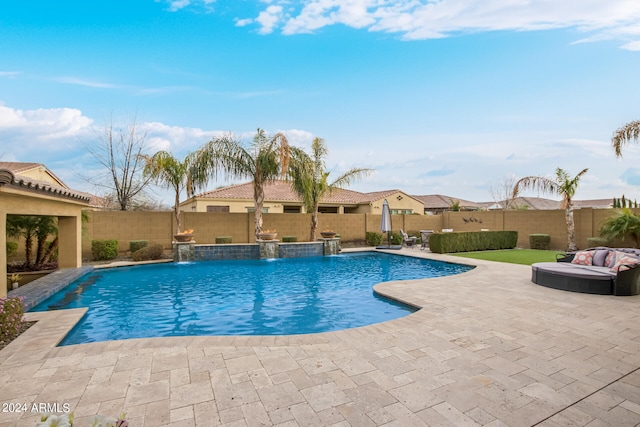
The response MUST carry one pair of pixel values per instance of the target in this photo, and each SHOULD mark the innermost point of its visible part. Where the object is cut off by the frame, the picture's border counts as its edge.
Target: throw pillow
(621, 261)
(583, 258)
(610, 260)
(599, 257)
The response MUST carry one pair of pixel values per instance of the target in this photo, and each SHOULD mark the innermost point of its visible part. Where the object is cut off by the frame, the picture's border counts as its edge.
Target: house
(280, 198)
(437, 203)
(542, 204)
(38, 174)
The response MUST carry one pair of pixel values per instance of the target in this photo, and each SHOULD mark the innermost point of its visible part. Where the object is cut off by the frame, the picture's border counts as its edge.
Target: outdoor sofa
(605, 271)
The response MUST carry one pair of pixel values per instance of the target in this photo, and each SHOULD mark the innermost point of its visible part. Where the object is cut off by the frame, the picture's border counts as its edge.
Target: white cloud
(423, 19)
(10, 74)
(88, 83)
(269, 18)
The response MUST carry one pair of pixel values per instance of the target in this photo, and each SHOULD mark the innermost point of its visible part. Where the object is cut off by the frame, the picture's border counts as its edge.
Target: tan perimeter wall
(159, 227)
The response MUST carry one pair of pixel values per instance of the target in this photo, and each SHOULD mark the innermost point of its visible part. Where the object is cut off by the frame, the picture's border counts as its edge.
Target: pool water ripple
(245, 297)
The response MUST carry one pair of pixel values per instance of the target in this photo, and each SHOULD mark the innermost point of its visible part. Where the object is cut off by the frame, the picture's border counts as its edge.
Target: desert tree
(563, 185)
(310, 178)
(502, 193)
(120, 151)
(264, 159)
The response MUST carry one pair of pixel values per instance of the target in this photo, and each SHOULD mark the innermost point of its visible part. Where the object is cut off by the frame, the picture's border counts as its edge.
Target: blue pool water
(240, 297)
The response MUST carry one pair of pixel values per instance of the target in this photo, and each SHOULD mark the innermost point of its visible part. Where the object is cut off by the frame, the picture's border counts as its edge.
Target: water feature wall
(263, 249)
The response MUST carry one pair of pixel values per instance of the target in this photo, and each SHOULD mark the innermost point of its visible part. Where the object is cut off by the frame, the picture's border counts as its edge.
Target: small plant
(66, 420)
(136, 245)
(14, 278)
(104, 249)
(372, 238)
(148, 253)
(12, 249)
(11, 311)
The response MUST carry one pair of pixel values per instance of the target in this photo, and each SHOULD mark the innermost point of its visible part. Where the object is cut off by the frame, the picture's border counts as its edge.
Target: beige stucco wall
(41, 174)
(158, 227)
(398, 200)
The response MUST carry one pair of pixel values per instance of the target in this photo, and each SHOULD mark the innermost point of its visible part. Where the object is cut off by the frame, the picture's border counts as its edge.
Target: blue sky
(448, 97)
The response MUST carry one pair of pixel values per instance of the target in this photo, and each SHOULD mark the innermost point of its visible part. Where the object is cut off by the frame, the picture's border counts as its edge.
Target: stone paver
(487, 348)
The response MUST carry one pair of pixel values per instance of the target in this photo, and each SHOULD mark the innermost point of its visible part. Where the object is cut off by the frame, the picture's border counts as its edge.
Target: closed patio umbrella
(385, 226)
(385, 221)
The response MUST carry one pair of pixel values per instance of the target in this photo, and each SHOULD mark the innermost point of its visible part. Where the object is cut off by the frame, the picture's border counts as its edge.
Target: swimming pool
(240, 297)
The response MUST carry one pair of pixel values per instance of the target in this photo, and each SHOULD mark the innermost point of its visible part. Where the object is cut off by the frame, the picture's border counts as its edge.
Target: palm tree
(309, 178)
(264, 160)
(564, 186)
(165, 169)
(624, 135)
(624, 223)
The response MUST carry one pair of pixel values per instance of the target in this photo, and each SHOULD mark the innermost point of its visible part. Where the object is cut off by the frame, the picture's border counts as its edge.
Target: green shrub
(396, 238)
(594, 242)
(223, 240)
(540, 241)
(472, 241)
(289, 239)
(148, 253)
(11, 311)
(136, 245)
(104, 249)
(372, 238)
(12, 249)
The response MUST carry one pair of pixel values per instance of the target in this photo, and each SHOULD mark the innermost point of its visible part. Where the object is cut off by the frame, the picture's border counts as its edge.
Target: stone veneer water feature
(191, 251)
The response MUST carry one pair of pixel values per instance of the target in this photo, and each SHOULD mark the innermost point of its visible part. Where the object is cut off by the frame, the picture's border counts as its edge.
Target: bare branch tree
(119, 151)
(502, 192)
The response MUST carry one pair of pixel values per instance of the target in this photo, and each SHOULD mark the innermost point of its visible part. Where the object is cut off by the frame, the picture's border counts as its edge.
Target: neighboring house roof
(595, 203)
(21, 168)
(7, 177)
(438, 201)
(540, 203)
(281, 191)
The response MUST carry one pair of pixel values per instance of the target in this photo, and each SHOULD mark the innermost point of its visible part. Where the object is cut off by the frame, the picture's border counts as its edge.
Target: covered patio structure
(23, 196)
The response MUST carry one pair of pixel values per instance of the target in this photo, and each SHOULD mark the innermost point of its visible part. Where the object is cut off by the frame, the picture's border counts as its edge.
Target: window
(251, 209)
(213, 208)
(291, 209)
(327, 209)
(401, 211)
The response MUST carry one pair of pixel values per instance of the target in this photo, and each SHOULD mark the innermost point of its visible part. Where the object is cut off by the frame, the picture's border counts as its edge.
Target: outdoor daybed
(605, 271)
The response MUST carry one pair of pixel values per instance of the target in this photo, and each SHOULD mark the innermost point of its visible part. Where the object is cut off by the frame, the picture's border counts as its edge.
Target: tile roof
(7, 177)
(278, 191)
(438, 201)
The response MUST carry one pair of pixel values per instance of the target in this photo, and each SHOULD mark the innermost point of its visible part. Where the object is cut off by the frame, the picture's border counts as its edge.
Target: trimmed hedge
(223, 240)
(136, 245)
(289, 239)
(472, 241)
(540, 241)
(104, 249)
(148, 253)
(372, 238)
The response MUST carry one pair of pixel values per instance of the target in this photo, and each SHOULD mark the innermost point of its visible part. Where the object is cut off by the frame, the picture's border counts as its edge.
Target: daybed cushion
(581, 271)
(622, 261)
(583, 258)
(599, 257)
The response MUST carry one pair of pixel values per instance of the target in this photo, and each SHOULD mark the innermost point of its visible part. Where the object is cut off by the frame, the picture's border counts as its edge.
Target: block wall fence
(159, 227)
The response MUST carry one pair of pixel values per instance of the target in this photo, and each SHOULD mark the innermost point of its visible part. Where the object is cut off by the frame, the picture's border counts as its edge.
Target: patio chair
(408, 241)
(424, 237)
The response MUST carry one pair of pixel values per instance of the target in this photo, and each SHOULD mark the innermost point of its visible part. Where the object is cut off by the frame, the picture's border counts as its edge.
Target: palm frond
(624, 135)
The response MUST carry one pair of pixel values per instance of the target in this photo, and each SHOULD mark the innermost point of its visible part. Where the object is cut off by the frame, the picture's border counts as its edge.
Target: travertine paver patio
(487, 348)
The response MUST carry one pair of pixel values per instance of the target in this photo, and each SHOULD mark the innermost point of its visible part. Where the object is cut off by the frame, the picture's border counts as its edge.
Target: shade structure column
(70, 242)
